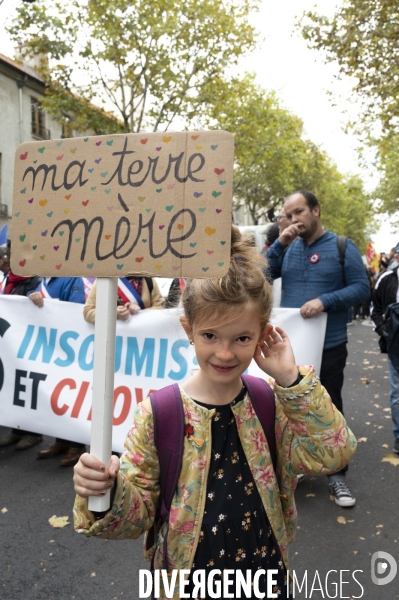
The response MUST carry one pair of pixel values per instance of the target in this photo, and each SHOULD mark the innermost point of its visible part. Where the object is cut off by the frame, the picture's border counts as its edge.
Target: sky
(302, 81)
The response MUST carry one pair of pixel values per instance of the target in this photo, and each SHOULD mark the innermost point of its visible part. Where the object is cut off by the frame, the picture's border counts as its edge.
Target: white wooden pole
(103, 379)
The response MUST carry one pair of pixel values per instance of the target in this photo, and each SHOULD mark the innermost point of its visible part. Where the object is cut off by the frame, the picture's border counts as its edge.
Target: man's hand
(122, 312)
(288, 235)
(312, 308)
(37, 299)
(133, 308)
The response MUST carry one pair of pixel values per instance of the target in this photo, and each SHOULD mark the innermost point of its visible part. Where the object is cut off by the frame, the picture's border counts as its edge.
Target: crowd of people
(248, 477)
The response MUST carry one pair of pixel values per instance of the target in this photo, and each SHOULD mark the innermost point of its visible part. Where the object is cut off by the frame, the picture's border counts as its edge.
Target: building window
(66, 128)
(38, 120)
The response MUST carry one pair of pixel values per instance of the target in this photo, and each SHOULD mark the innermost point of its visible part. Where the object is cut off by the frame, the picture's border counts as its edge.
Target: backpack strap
(341, 245)
(150, 284)
(263, 401)
(168, 416)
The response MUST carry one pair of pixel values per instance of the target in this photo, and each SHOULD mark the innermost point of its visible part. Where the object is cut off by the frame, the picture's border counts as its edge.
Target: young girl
(230, 509)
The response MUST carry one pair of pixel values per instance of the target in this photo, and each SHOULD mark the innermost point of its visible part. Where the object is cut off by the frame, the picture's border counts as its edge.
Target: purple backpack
(168, 415)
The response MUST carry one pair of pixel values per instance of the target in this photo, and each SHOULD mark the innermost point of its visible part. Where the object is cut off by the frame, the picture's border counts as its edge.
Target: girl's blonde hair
(218, 301)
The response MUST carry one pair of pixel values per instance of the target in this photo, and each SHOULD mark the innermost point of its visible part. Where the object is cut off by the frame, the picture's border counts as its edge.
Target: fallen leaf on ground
(362, 538)
(355, 551)
(332, 498)
(93, 575)
(365, 380)
(362, 439)
(341, 520)
(385, 446)
(350, 520)
(386, 409)
(310, 495)
(379, 526)
(390, 458)
(370, 414)
(58, 521)
(4, 510)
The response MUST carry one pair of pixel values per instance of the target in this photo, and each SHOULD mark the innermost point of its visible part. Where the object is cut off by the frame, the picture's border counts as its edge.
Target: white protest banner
(46, 363)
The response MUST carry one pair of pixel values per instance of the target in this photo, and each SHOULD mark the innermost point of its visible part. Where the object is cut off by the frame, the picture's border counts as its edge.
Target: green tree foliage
(363, 38)
(273, 159)
(151, 61)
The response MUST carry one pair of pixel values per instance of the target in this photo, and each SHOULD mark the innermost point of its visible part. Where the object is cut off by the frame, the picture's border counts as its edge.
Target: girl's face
(224, 352)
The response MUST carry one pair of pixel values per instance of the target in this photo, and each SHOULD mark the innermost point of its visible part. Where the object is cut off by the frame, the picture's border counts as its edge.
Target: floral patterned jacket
(312, 437)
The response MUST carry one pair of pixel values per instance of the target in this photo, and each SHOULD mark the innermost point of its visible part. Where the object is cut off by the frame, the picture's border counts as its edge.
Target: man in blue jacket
(314, 280)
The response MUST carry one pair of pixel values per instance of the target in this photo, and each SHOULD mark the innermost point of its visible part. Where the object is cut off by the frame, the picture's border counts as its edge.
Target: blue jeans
(394, 397)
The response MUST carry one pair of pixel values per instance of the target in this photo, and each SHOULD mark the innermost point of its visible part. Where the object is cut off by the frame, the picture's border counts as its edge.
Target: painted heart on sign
(161, 226)
(169, 208)
(60, 157)
(218, 210)
(197, 194)
(97, 160)
(85, 202)
(218, 171)
(144, 141)
(68, 196)
(43, 202)
(41, 150)
(23, 156)
(22, 237)
(22, 263)
(209, 230)
(30, 200)
(166, 139)
(98, 143)
(56, 248)
(45, 232)
(110, 142)
(216, 194)
(58, 267)
(214, 146)
(139, 259)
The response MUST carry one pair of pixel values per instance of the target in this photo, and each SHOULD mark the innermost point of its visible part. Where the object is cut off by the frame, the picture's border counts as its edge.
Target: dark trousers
(332, 376)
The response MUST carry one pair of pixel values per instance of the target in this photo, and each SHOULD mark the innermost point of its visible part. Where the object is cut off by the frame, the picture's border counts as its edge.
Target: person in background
(393, 258)
(272, 235)
(314, 280)
(4, 265)
(15, 285)
(176, 289)
(282, 221)
(67, 289)
(134, 294)
(386, 293)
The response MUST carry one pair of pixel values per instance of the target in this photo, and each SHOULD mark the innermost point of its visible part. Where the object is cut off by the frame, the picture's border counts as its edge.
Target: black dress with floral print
(235, 532)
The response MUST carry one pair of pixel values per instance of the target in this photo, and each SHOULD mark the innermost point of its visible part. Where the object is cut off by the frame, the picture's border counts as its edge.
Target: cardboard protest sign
(148, 204)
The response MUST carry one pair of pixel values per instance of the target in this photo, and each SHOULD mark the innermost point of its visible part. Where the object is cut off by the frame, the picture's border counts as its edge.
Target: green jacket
(312, 437)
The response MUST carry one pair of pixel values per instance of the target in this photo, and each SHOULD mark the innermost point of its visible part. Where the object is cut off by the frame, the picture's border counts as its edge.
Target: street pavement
(39, 562)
